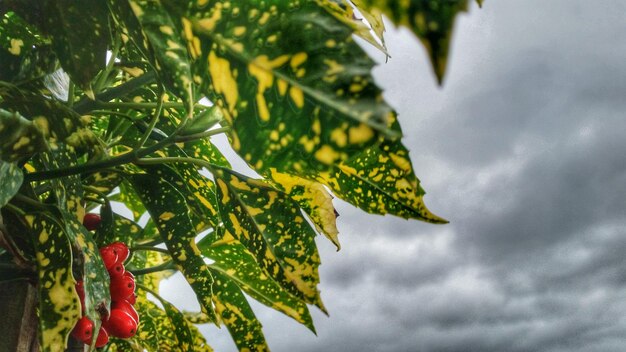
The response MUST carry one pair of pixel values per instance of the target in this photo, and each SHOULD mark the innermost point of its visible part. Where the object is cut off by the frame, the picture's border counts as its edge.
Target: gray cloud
(523, 150)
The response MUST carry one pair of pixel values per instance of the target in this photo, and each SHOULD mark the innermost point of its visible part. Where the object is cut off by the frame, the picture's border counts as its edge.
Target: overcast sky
(524, 150)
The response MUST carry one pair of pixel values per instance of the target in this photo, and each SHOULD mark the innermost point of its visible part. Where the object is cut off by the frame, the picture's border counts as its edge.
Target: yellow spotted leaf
(287, 97)
(314, 199)
(170, 213)
(271, 226)
(431, 21)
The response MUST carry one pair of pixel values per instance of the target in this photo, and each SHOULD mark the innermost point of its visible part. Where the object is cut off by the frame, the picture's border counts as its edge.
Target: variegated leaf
(343, 11)
(57, 123)
(12, 177)
(431, 21)
(272, 227)
(295, 102)
(313, 199)
(237, 315)
(169, 211)
(182, 334)
(232, 259)
(59, 306)
(381, 180)
(81, 36)
(198, 190)
(89, 263)
(168, 46)
(19, 137)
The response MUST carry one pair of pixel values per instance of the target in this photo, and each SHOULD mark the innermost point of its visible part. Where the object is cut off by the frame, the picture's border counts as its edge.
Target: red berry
(83, 330)
(121, 324)
(127, 307)
(91, 221)
(122, 288)
(132, 299)
(117, 271)
(109, 257)
(103, 337)
(121, 249)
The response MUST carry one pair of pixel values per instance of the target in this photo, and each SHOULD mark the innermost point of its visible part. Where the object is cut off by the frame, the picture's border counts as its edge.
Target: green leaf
(295, 102)
(89, 263)
(16, 35)
(19, 137)
(271, 226)
(80, 34)
(149, 334)
(431, 21)
(12, 178)
(313, 199)
(131, 200)
(343, 11)
(232, 259)
(237, 315)
(168, 46)
(59, 307)
(169, 211)
(381, 180)
(198, 190)
(57, 123)
(125, 19)
(179, 326)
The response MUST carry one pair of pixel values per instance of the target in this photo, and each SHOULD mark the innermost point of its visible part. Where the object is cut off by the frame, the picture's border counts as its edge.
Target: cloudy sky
(524, 150)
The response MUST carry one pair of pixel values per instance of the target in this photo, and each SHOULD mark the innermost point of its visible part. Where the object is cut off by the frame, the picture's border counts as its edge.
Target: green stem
(155, 118)
(169, 265)
(149, 248)
(14, 209)
(91, 167)
(105, 73)
(86, 105)
(156, 295)
(130, 157)
(70, 94)
(30, 201)
(158, 161)
(201, 135)
(144, 106)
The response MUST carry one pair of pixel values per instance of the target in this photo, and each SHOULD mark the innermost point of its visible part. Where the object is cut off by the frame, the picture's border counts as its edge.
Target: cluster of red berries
(123, 318)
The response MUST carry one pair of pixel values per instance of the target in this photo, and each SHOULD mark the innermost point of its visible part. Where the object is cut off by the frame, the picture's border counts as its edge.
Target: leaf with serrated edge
(295, 102)
(313, 199)
(232, 259)
(431, 21)
(343, 11)
(272, 227)
(169, 211)
(381, 180)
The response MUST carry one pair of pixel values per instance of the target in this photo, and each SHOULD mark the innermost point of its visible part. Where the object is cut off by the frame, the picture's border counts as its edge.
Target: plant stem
(143, 106)
(149, 248)
(156, 161)
(201, 135)
(86, 105)
(91, 167)
(169, 265)
(155, 118)
(133, 156)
